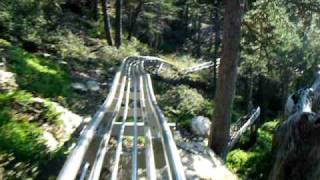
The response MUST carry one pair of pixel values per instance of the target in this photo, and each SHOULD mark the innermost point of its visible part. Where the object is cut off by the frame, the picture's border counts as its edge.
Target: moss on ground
(37, 74)
(255, 163)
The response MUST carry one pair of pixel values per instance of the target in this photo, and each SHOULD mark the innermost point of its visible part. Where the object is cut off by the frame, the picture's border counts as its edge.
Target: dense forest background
(54, 46)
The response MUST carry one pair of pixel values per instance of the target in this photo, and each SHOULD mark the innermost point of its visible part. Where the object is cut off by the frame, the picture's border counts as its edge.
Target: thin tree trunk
(118, 23)
(186, 20)
(94, 9)
(134, 17)
(198, 52)
(250, 95)
(220, 130)
(106, 20)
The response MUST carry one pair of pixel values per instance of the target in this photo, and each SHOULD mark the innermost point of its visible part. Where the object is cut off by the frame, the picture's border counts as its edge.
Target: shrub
(181, 104)
(128, 48)
(256, 163)
(22, 139)
(70, 45)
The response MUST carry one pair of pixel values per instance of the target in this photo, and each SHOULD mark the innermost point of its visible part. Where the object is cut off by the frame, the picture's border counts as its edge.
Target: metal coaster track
(90, 158)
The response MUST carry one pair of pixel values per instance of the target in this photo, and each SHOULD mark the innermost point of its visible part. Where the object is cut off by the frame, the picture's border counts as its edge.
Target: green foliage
(182, 103)
(27, 18)
(21, 107)
(278, 41)
(128, 48)
(256, 163)
(22, 139)
(22, 148)
(70, 45)
(37, 74)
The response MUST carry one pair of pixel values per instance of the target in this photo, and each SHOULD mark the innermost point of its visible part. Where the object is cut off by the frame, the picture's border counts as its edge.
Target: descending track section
(129, 137)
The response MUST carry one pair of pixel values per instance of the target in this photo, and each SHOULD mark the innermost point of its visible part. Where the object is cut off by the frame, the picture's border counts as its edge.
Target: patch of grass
(22, 149)
(22, 139)
(19, 106)
(38, 75)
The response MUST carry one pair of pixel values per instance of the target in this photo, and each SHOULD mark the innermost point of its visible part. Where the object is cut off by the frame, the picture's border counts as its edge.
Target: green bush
(182, 103)
(27, 19)
(22, 139)
(255, 163)
(70, 45)
(128, 48)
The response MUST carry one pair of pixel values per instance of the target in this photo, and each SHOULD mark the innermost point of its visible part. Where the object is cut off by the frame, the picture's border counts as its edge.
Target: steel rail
(72, 165)
(149, 155)
(84, 171)
(134, 173)
(120, 138)
(152, 107)
(103, 147)
(169, 145)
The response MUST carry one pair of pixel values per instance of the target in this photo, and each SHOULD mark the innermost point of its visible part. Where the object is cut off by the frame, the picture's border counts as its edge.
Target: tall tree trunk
(186, 20)
(217, 43)
(106, 20)
(134, 19)
(118, 23)
(250, 93)
(198, 50)
(94, 9)
(220, 130)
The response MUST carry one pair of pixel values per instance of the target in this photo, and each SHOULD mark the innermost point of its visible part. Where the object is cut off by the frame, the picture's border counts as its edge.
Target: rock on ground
(7, 80)
(200, 126)
(93, 85)
(54, 135)
(79, 86)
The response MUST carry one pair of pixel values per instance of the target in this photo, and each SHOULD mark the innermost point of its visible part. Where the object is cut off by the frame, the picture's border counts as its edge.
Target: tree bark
(296, 145)
(198, 50)
(106, 20)
(134, 17)
(220, 130)
(118, 23)
(216, 42)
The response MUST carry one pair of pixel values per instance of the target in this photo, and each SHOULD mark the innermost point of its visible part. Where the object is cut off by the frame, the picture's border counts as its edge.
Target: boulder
(79, 86)
(201, 126)
(93, 85)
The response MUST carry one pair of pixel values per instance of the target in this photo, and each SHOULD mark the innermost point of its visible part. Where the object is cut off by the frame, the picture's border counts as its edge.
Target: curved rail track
(129, 137)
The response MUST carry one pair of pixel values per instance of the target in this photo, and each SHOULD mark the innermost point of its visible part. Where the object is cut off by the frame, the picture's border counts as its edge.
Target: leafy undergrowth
(22, 149)
(36, 74)
(180, 104)
(255, 163)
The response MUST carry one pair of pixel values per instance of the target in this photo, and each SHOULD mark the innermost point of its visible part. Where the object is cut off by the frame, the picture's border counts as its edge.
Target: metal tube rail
(103, 147)
(72, 165)
(120, 138)
(150, 164)
(84, 171)
(172, 153)
(134, 173)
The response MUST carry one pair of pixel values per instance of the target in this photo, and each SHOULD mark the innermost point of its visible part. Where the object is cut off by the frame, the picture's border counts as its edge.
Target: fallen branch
(236, 137)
